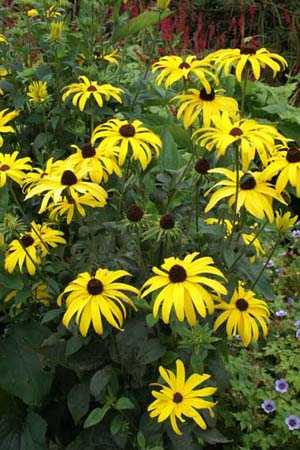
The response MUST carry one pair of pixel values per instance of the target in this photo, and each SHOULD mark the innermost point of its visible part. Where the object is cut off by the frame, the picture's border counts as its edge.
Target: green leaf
(50, 315)
(16, 434)
(97, 438)
(4, 199)
(116, 424)
(151, 351)
(213, 436)
(41, 140)
(11, 281)
(168, 158)
(78, 401)
(74, 344)
(100, 381)
(96, 416)
(124, 403)
(136, 24)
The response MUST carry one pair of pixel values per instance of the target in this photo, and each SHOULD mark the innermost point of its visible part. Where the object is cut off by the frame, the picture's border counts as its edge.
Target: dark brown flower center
(88, 151)
(94, 286)
(97, 54)
(184, 65)
(127, 130)
(4, 167)
(92, 88)
(236, 132)
(241, 304)
(177, 274)
(249, 49)
(207, 97)
(27, 240)
(177, 397)
(134, 213)
(293, 155)
(202, 166)
(247, 182)
(167, 221)
(68, 178)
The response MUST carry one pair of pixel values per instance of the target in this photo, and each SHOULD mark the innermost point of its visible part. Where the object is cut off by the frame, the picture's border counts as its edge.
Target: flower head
(92, 297)
(243, 315)
(293, 422)
(37, 92)
(180, 398)
(296, 233)
(281, 313)
(268, 406)
(4, 119)
(184, 284)
(87, 89)
(127, 136)
(3, 39)
(297, 334)
(56, 29)
(13, 168)
(281, 386)
(285, 164)
(23, 251)
(110, 57)
(284, 221)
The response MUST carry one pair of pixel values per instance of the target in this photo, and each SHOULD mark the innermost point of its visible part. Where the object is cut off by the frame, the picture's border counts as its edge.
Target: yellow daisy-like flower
(37, 174)
(91, 297)
(32, 12)
(110, 57)
(3, 39)
(37, 92)
(56, 29)
(128, 136)
(286, 163)
(184, 284)
(69, 205)
(196, 102)
(180, 398)
(65, 182)
(13, 168)
(52, 12)
(243, 315)
(47, 236)
(23, 251)
(284, 221)
(250, 136)
(254, 193)
(4, 119)
(174, 68)
(91, 89)
(97, 163)
(249, 55)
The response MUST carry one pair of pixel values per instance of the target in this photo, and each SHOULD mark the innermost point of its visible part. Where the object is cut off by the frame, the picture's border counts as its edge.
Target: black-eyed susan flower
(107, 56)
(128, 136)
(23, 251)
(97, 163)
(65, 182)
(284, 221)
(243, 315)
(254, 193)
(196, 102)
(3, 39)
(250, 136)
(70, 205)
(247, 56)
(179, 399)
(56, 30)
(174, 68)
(6, 117)
(37, 173)
(37, 92)
(94, 297)
(47, 237)
(13, 168)
(87, 89)
(285, 164)
(32, 12)
(52, 12)
(183, 285)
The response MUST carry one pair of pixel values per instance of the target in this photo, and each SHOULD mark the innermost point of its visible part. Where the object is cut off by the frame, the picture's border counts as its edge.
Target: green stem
(123, 188)
(266, 263)
(180, 178)
(244, 85)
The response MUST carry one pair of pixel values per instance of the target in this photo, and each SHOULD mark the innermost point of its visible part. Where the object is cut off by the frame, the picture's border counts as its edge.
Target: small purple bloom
(268, 406)
(297, 323)
(281, 313)
(298, 335)
(238, 337)
(270, 263)
(293, 422)
(290, 300)
(281, 385)
(296, 233)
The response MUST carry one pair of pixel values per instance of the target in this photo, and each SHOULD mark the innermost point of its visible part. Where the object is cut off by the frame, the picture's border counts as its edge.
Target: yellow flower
(250, 136)
(91, 89)
(243, 315)
(69, 205)
(47, 236)
(254, 193)
(4, 119)
(80, 59)
(127, 136)
(180, 398)
(65, 182)
(52, 12)
(3, 39)
(56, 29)
(98, 164)
(38, 174)
(184, 284)
(41, 294)
(284, 221)
(174, 68)
(37, 91)
(248, 56)
(163, 4)
(110, 57)
(196, 102)
(286, 163)
(11, 167)
(23, 251)
(32, 12)
(91, 297)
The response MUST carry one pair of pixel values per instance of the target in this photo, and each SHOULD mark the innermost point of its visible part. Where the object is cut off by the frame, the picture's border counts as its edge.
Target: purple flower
(281, 385)
(296, 233)
(270, 263)
(298, 335)
(281, 313)
(297, 323)
(237, 337)
(290, 300)
(268, 406)
(293, 422)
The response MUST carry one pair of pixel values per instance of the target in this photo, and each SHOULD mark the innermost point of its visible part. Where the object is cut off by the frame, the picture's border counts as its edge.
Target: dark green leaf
(16, 434)
(96, 416)
(124, 403)
(78, 401)
(74, 344)
(100, 381)
(142, 21)
(213, 436)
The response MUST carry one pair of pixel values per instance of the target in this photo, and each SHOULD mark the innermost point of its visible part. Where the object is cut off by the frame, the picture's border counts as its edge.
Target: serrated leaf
(124, 403)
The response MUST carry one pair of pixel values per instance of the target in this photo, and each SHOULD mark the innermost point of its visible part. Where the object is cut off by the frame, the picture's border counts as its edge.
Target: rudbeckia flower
(284, 221)
(174, 68)
(250, 136)
(196, 102)
(70, 205)
(91, 89)
(254, 193)
(184, 284)
(92, 297)
(37, 92)
(3, 39)
(127, 136)
(243, 315)
(13, 168)
(180, 398)
(110, 57)
(249, 55)
(98, 164)
(56, 29)
(47, 236)
(4, 119)
(286, 163)
(23, 251)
